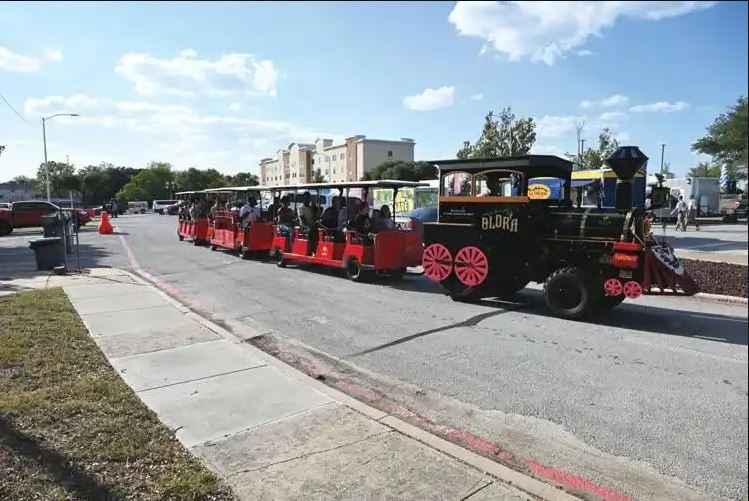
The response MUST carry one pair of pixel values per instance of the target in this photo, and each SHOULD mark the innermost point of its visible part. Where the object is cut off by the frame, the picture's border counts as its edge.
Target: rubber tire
(244, 253)
(570, 277)
(354, 270)
(5, 229)
(214, 247)
(609, 302)
(280, 261)
(180, 237)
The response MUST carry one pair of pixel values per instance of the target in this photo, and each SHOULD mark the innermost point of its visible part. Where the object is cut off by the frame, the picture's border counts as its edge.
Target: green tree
(402, 171)
(199, 179)
(705, 169)
(244, 179)
(100, 183)
(594, 158)
(726, 141)
(149, 184)
(501, 137)
(60, 178)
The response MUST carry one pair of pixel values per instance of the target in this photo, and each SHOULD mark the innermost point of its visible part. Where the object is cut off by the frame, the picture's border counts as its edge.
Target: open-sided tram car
(498, 230)
(230, 234)
(197, 231)
(388, 251)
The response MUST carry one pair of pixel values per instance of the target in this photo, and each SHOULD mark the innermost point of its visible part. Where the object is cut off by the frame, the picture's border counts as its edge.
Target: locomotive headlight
(623, 260)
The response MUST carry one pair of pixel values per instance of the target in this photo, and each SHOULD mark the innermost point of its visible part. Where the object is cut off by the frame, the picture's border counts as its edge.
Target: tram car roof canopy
(537, 165)
(232, 189)
(380, 183)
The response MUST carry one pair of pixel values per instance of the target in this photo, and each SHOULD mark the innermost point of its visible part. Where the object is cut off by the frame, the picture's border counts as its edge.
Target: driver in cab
(496, 183)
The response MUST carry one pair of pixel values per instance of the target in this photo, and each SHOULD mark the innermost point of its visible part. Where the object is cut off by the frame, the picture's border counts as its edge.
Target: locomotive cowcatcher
(505, 222)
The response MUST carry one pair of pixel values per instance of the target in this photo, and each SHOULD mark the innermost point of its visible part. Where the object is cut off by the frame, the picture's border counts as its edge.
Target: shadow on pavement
(705, 244)
(60, 467)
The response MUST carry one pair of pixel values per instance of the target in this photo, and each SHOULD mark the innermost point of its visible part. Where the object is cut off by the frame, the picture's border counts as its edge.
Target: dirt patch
(718, 278)
(70, 428)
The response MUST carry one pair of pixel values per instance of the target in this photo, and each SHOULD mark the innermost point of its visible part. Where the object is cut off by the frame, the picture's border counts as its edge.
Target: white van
(159, 206)
(137, 207)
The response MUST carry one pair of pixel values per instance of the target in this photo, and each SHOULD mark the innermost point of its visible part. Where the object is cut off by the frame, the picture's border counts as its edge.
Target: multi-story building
(13, 191)
(347, 161)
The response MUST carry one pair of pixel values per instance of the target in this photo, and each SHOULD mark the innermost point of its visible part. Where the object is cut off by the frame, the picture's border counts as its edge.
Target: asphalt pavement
(644, 400)
(713, 242)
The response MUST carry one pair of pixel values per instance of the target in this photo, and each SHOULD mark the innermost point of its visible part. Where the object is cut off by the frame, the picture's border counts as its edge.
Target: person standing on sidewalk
(681, 210)
(692, 211)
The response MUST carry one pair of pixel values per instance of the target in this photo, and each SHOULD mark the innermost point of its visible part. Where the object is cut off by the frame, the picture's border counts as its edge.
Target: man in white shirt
(692, 213)
(681, 211)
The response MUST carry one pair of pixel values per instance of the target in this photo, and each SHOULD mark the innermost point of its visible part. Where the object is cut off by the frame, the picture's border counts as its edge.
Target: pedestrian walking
(692, 213)
(681, 210)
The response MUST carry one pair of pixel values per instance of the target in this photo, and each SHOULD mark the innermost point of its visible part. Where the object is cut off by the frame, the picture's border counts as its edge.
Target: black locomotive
(504, 222)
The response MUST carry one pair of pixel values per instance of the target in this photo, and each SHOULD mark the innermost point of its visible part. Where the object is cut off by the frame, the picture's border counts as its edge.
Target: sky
(223, 85)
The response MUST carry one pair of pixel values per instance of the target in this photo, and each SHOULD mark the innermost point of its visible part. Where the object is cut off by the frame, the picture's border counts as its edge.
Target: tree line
(98, 184)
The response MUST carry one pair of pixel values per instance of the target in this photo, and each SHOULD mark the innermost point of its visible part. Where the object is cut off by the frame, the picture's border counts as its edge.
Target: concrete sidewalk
(268, 430)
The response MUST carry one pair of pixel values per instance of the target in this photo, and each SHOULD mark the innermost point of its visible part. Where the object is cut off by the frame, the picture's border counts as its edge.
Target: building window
(313, 161)
(390, 153)
(341, 156)
(327, 158)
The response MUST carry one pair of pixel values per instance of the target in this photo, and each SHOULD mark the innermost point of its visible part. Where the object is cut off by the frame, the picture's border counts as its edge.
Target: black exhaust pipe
(625, 161)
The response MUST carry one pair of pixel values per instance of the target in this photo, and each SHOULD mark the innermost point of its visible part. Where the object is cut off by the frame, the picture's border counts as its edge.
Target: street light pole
(44, 139)
(46, 164)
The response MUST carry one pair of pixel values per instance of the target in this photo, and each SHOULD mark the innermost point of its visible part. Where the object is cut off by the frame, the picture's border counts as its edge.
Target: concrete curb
(721, 298)
(503, 473)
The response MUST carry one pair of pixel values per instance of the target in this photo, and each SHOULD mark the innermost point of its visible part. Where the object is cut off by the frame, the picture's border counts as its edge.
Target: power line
(13, 109)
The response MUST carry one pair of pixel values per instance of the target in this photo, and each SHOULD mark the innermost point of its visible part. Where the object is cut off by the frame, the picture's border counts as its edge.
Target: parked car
(159, 206)
(416, 218)
(25, 214)
(173, 209)
(4, 205)
(137, 207)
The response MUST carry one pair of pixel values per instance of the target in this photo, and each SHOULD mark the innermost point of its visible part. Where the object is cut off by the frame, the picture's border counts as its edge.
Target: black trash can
(53, 225)
(49, 252)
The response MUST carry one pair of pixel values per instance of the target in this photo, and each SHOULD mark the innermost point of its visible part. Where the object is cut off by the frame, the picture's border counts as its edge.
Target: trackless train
(502, 223)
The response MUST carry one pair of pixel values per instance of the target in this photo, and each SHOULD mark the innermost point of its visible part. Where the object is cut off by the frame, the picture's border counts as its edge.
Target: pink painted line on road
(574, 482)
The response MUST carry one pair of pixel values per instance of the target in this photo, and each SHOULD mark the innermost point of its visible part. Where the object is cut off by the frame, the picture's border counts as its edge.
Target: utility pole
(44, 139)
(579, 126)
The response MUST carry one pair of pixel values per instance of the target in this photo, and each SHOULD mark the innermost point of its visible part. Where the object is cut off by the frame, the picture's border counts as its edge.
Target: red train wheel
(612, 287)
(437, 262)
(471, 266)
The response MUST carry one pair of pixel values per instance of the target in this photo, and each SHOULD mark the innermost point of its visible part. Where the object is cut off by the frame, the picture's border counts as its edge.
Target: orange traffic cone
(105, 227)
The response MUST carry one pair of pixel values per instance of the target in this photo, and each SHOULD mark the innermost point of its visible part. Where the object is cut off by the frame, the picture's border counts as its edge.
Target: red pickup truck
(27, 215)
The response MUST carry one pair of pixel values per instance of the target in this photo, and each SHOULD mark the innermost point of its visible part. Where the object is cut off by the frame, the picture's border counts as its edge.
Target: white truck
(705, 190)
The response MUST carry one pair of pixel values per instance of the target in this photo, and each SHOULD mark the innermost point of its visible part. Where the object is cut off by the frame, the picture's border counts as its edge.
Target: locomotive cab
(504, 222)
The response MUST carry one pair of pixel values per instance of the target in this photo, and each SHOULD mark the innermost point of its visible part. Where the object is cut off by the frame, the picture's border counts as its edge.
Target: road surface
(641, 401)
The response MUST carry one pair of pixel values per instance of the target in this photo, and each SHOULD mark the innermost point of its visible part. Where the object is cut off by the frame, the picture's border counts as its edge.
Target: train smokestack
(625, 161)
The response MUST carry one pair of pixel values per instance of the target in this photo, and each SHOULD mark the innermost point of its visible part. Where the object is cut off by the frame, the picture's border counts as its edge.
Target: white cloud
(185, 75)
(546, 31)
(62, 104)
(555, 126)
(12, 61)
(606, 102)
(431, 99)
(235, 107)
(584, 53)
(53, 54)
(477, 97)
(623, 137)
(547, 149)
(660, 107)
(612, 116)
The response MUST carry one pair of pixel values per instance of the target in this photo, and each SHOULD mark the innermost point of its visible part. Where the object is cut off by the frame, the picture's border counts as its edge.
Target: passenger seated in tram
(329, 218)
(285, 219)
(362, 223)
(375, 221)
(386, 221)
(249, 213)
(306, 212)
(273, 208)
(193, 211)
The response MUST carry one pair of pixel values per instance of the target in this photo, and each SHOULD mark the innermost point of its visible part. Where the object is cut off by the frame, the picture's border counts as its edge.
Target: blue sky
(225, 84)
